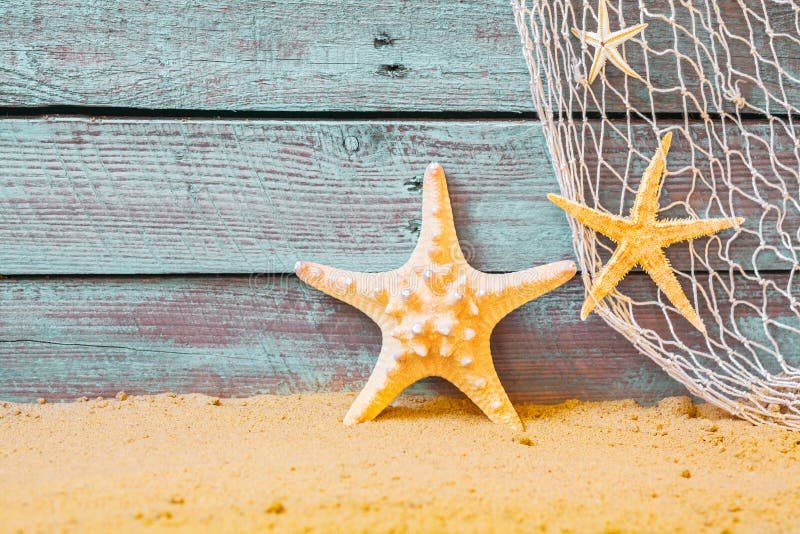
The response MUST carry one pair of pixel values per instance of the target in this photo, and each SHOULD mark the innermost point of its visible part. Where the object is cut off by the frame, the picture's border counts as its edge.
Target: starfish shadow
(417, 402)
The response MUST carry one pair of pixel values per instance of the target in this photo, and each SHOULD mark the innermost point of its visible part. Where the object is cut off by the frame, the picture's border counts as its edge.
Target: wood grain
(128, 197)
(270, 56)
(82, 196)
(236, 336)
(364, 56)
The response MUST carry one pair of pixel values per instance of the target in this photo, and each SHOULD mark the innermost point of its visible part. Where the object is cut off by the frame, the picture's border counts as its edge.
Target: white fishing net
(724, 77)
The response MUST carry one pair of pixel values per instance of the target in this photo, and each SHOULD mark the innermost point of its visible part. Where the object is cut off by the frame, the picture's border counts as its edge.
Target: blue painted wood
(62, 338)
(141, 196)
(275, 56)
(151, 196)
(162, 196)
(356, 55)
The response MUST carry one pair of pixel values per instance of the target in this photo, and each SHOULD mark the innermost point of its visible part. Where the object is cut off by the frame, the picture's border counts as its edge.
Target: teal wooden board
(82, 196)
(152, 197)
(272, 56)
(62, 338)
(138, 196)
(351, 56)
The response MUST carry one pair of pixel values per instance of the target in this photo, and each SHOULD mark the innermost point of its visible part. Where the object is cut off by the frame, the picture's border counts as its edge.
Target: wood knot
(351, 143)
(382, 40)
(413, 226)
(394, 70)
(414, 183)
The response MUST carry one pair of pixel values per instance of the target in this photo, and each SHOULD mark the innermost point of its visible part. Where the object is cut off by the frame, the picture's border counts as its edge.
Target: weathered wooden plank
(367, 56)
(122, 196)
(161, 196)
(274, 56)
(236, 336)
(732, 56)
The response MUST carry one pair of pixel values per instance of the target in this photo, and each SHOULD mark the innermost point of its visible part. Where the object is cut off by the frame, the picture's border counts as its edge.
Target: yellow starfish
(641, 238)
(606, 43)
(436, 312)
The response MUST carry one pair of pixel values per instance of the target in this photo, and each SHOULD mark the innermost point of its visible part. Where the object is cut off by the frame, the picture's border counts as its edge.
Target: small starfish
(606, 43)
(641, 238)
(436, 312)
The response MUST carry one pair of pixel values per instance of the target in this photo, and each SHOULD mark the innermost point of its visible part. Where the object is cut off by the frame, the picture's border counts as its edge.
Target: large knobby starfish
(606, 43)
(436, 312)
(641, 238)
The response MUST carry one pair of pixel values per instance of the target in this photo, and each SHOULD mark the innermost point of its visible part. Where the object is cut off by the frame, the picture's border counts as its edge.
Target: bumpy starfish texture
(436, 312)
(606, 42)
(641, 238)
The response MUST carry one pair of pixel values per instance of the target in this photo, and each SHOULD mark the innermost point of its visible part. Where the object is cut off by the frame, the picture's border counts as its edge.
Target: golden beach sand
(188, 463)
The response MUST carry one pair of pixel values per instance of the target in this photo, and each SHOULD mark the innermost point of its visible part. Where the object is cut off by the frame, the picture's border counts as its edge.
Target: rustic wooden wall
(151, 250)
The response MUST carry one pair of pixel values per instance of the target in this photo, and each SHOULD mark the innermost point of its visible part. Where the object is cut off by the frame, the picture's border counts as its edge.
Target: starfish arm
(598, 62)
(605, 223)
(437, 239)
(622, 261)
(590, 37)
(602, 19)
(616, 58)
(619, 37)
(676, 231)
(365, 291)
(658, 267)
(479, 382)
(504, 293)
(385, 383)
(646, 204)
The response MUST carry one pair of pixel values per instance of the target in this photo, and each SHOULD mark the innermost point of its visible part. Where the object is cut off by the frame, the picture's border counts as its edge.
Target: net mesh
(724, 77)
